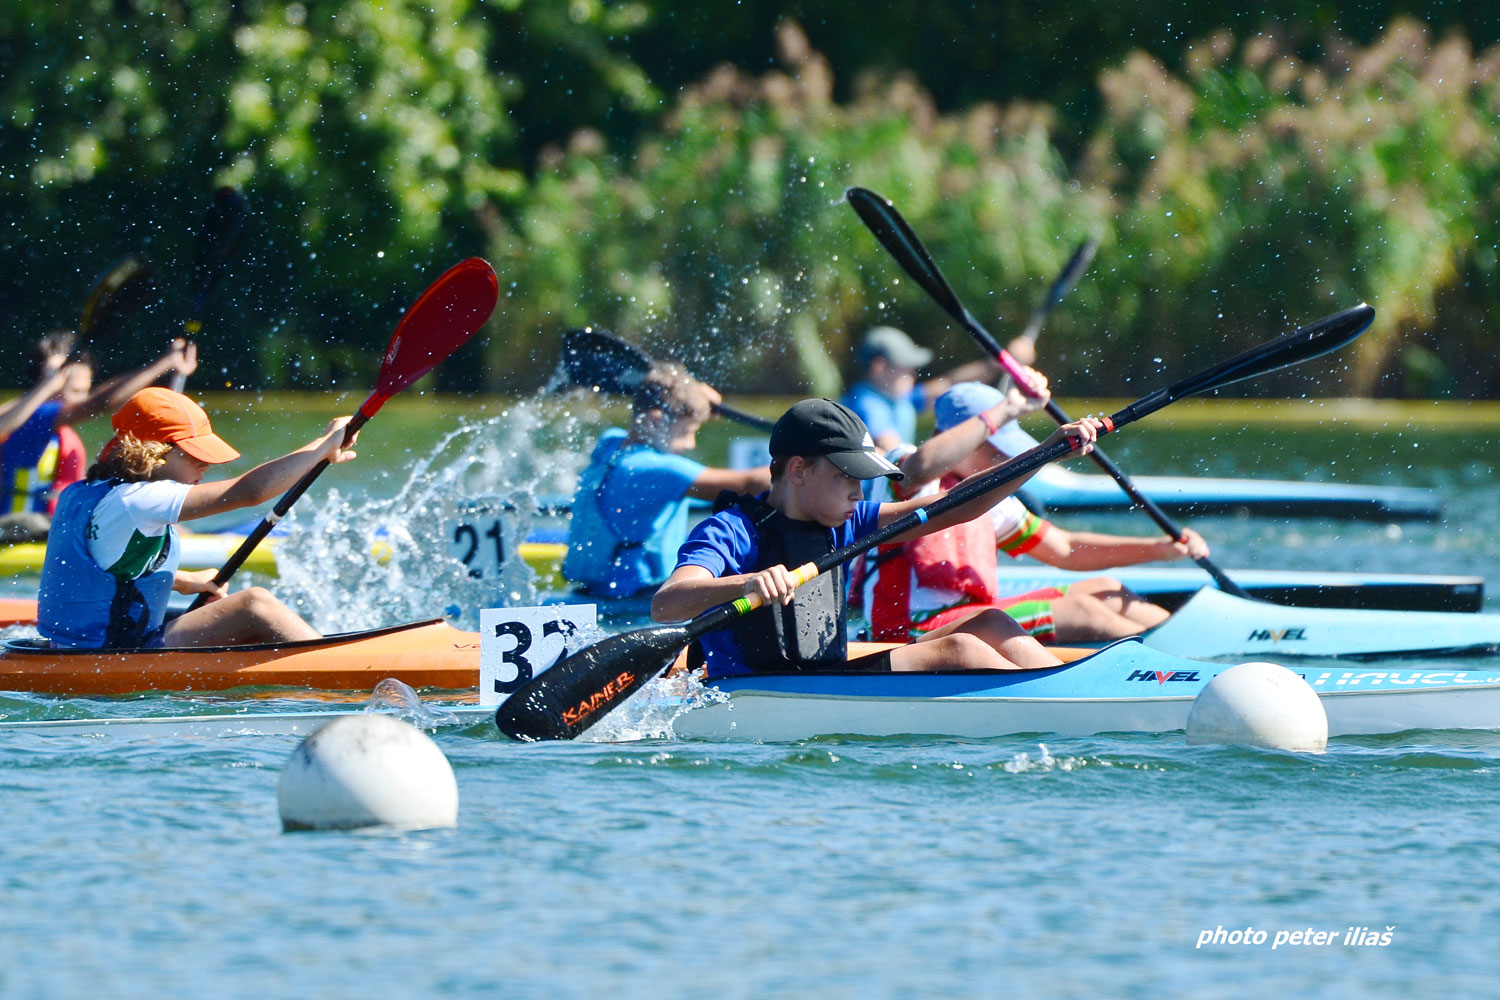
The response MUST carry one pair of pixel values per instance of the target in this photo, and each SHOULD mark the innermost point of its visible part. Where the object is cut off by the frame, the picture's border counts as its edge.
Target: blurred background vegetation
(675, 172)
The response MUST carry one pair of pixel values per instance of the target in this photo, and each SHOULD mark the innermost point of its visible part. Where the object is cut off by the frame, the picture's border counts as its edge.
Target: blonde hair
(129, 459)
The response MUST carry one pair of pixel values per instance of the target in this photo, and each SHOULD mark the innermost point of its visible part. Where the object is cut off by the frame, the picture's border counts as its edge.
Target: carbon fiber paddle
(582, 688)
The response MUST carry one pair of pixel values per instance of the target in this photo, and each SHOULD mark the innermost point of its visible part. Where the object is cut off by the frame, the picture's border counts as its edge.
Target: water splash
(396, 697)
(351, 563)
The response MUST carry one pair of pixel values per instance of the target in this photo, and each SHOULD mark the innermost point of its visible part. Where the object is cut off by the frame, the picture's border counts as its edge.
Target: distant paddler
(630, 512)
(112, 555)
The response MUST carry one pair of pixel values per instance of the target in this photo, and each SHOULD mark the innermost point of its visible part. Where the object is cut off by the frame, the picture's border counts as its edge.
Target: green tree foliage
(1243, 180)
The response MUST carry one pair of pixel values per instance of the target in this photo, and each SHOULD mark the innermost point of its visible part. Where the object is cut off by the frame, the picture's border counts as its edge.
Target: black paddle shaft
(582, 688)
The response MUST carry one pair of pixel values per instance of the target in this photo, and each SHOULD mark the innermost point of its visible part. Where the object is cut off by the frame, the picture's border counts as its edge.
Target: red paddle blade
(439, 323)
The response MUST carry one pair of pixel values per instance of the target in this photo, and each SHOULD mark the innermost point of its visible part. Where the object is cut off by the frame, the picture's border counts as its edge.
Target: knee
(961, 650)
(997, 624)
(261, 601)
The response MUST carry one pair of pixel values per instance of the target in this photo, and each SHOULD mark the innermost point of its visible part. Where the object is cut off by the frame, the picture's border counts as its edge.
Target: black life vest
(809, 633)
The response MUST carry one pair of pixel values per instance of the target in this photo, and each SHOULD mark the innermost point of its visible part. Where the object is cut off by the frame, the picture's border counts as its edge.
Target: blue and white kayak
(1126, 687)
(1056, 489)
(1216, 625)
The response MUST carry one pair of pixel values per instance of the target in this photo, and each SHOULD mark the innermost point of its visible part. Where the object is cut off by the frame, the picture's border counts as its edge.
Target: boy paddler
(820, 454)
(112, 554)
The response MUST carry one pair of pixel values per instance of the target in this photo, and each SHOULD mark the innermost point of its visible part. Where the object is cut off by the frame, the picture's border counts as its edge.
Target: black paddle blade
(581, 689)
(593, 358)
(887, 225)
(1303, 344)
(222, 225)
(129, 284)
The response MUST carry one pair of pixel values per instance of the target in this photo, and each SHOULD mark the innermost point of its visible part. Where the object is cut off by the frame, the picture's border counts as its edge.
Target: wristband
(990, 427)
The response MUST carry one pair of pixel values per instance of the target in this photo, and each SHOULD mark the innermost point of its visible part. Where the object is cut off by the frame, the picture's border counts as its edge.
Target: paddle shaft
(748, 419)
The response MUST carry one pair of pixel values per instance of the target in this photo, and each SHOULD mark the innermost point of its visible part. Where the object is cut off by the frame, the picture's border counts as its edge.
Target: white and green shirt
(128, 536)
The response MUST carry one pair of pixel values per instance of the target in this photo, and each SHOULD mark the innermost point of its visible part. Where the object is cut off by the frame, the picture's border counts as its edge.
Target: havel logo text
(1277, 635)
(1163, 676)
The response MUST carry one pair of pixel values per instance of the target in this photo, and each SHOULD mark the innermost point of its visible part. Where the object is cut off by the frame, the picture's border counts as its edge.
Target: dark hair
(55, 342)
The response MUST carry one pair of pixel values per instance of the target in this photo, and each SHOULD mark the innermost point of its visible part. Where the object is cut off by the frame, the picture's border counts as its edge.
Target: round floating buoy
(1259, 705)
(367, 770)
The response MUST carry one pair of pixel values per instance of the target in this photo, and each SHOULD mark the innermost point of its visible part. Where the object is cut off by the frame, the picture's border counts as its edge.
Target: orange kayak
(430, 654)
(17, 611)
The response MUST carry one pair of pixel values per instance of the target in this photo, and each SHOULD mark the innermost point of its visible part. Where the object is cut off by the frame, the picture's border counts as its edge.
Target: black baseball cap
(823, 427)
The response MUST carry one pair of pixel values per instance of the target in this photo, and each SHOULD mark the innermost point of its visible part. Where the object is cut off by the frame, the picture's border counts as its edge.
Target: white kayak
(1125, 687)
(1216, 625)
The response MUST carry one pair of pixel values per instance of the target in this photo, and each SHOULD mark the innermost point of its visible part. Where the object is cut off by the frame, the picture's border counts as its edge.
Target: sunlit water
(660, 867)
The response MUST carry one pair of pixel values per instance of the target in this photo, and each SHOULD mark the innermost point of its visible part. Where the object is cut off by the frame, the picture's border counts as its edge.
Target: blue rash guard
(629, 517)
(882, 413)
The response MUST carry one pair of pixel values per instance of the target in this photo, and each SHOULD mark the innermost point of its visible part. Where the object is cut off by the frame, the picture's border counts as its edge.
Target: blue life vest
(81, 605)
(600, 560)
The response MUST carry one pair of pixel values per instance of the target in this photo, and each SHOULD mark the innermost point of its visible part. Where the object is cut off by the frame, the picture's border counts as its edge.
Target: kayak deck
(431, 654)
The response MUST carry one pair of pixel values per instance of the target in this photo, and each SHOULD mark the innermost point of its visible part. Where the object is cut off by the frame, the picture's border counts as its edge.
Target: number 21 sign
(516, 644)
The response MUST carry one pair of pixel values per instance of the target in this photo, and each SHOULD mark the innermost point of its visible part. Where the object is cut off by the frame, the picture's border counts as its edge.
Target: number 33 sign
(516, 644)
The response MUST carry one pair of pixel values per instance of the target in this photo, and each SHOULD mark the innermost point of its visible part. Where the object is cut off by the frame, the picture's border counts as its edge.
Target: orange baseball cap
(158, 414)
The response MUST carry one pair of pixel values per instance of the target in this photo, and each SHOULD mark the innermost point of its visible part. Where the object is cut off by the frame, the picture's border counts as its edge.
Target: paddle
(594, 358)
(222, 225)
(582, 688)
(120, 291)
(1071, 272)
(882, 219)
(437, 324)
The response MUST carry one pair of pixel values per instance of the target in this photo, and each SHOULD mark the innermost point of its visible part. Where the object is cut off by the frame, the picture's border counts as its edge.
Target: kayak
(1125, 687)
(1058, 489)
(199, 551)
(430, 654)
(17, 611)
(1214, 625)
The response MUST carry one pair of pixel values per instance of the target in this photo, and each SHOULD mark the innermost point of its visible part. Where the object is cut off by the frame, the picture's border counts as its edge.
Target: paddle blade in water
(596, 359)
(581, 689)
(120, 291)
(437, 324)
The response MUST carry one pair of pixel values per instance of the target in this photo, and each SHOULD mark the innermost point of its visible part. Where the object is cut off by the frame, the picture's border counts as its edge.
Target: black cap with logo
(823, 427)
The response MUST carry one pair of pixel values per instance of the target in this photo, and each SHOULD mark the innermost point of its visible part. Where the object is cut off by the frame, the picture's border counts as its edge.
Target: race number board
(516, 644)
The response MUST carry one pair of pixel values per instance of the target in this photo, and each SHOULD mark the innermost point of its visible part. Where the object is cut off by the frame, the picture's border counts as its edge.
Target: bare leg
(986, 640)
(251, 615)
(1102, 608)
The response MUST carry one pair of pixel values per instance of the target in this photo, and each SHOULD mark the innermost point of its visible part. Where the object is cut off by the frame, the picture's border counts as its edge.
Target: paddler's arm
(1088, 550)
(946, 449)
(16, 413)
(199, 581)
(1085, 432)
(270, 480)
(692, 590)
(711, 482)
(114, 392)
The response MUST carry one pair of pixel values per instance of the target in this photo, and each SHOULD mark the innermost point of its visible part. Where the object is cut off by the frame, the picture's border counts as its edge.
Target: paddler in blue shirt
(40, 453)
(889, 397)
(113, 553)
(821, 453)
(630, 511)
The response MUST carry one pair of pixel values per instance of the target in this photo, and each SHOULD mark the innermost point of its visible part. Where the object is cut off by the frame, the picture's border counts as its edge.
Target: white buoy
(1259, 705)
(367, 770)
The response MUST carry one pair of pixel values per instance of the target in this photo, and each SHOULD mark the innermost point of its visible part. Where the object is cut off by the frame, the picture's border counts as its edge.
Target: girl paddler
(112, 554)
(820, 454)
